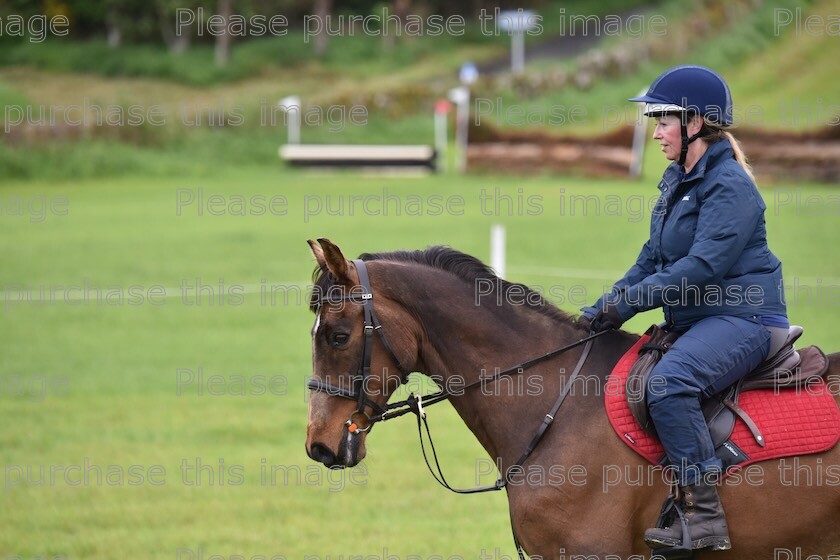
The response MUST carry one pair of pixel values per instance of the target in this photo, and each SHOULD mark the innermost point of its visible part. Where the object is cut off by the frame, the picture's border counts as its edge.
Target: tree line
(122, 22)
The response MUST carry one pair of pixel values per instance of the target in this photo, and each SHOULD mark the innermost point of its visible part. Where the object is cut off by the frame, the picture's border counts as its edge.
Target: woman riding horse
(708, 265)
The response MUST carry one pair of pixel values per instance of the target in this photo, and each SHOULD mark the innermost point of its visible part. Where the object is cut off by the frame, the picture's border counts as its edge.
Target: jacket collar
(719, 151)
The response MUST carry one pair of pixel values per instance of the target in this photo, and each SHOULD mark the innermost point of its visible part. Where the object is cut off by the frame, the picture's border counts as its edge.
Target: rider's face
(667, 132)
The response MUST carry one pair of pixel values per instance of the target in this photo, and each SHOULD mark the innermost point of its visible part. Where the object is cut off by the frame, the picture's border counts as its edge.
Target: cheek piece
(685, 140)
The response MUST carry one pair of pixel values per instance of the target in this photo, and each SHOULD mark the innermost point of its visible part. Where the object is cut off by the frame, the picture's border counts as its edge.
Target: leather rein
(360, 421)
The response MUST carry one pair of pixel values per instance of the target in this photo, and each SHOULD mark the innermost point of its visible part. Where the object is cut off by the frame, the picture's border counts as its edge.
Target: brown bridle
(360, 421)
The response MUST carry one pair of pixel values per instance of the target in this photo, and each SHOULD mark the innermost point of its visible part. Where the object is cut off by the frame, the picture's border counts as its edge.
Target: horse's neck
(462, 342)
(506, 419)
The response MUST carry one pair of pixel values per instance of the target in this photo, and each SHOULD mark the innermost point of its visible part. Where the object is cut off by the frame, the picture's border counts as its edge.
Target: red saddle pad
(793, 422)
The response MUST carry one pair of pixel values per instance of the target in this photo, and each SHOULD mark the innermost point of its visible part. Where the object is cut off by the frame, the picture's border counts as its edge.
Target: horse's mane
(461, 265)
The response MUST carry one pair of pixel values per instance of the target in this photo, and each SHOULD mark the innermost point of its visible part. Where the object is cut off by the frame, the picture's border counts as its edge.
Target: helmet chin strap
(685, 138)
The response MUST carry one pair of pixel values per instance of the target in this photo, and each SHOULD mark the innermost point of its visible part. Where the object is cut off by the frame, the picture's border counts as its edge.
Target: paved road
(564, 46)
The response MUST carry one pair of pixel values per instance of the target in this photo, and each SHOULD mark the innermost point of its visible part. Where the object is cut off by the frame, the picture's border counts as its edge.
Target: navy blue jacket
(707, 253)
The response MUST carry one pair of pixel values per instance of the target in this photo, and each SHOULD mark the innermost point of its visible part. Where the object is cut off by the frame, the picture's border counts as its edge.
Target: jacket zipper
(668, 203)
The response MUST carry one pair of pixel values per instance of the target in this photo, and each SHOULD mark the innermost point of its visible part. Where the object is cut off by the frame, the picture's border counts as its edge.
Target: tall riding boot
(703, 515)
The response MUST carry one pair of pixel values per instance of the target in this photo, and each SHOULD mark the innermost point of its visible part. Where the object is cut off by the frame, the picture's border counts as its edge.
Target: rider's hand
(606, 319)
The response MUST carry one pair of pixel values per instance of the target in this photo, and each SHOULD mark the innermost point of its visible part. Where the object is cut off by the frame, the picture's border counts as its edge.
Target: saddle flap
(719, 418)
(658, 342)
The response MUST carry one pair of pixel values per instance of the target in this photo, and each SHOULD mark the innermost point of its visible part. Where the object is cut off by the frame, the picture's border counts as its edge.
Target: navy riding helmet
(686, 91)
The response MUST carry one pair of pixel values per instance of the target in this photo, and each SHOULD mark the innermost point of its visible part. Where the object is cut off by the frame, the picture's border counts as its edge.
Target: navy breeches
(711, 355)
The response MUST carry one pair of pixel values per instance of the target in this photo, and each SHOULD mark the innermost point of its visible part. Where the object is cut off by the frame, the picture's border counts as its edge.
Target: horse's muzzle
(322, 454)
(349, 453)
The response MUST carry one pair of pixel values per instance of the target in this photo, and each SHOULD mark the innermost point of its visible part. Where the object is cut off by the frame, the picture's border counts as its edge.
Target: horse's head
(354, 367)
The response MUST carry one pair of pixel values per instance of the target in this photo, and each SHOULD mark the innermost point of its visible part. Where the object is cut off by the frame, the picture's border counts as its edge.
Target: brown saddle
(787, 369)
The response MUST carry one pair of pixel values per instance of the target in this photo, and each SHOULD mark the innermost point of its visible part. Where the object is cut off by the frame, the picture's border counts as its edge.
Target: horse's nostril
(321, 453)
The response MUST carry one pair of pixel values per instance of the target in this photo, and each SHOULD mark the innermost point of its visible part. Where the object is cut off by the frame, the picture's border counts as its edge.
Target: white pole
(460, 96)
(468, 74)
(497, 249)
(516, 23)
(291, 106)
(639, 137)
(517, 52)
(294, 125)
(440, 140)
(462, 114)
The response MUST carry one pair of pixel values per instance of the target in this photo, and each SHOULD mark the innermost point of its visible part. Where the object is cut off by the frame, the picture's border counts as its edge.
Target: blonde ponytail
(739, 154)
(711, 133)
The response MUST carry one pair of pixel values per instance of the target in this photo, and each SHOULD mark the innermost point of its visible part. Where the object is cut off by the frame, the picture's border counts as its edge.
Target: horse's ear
(318, 253)
(335, 261)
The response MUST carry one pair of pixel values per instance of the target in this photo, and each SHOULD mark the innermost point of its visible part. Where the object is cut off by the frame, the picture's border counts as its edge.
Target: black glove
(606, 319)
(585, 321)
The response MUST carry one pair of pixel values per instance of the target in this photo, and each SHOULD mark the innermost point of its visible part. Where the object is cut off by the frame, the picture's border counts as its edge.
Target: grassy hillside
(768, 67)
(768, 74)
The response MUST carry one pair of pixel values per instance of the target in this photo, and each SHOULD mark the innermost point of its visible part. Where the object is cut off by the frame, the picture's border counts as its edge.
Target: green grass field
(119, 362)
(105, 246)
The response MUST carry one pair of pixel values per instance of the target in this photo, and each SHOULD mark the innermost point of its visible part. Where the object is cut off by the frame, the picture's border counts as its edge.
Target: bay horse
(430, 320)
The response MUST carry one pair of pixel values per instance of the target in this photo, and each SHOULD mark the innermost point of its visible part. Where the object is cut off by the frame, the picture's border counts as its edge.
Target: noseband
(372, 324)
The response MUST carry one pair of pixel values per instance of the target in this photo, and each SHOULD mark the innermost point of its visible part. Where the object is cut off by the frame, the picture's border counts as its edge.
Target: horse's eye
(338, 339)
